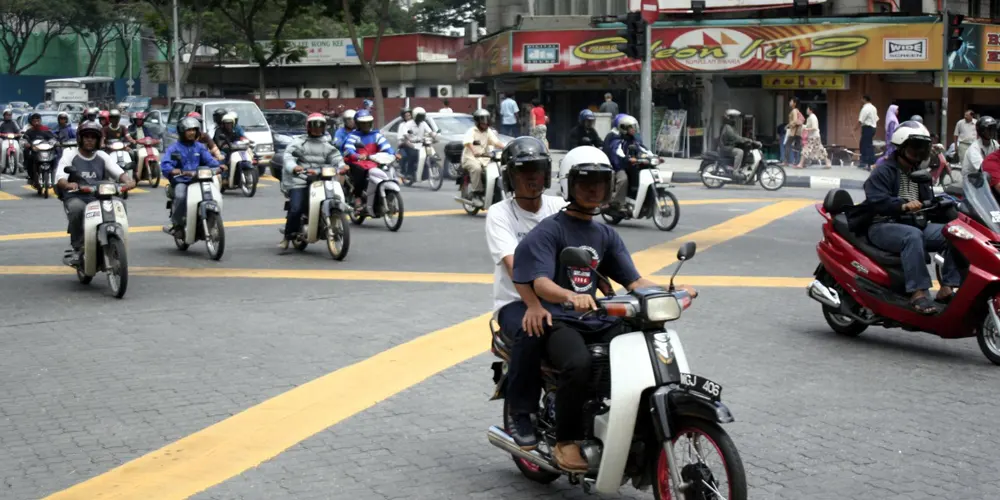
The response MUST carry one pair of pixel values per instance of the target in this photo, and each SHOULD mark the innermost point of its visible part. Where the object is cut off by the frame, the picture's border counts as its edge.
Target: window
(411, 92)
(180, 110)
(394, 125)
(994, 9)
(367, 92)
(974, 9)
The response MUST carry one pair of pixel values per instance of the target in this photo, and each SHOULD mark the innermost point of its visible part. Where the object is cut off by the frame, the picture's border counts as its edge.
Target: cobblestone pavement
(89, 383)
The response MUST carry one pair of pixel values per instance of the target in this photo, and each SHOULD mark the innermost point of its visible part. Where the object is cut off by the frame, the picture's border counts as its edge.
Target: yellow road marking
(727, 201)
(245, 440)
(53, 192)
(8, 197)
(235, 223)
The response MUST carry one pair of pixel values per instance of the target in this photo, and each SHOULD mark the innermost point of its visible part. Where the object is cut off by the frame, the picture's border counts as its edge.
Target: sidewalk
(685, 170)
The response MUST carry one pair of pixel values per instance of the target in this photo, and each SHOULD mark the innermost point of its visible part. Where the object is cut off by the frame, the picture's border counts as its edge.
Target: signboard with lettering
(489, 57)
(962, 80)
(806, 81)
(321, 51)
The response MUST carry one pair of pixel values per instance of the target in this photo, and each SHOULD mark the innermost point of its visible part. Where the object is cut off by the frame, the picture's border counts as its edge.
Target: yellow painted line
(728, 201)
(247, 439)
(8, 197)
(737, 281)
(235, 223)
(52, 191)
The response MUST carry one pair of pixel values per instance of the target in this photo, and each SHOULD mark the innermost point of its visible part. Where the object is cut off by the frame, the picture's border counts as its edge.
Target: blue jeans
(297, 199)
(510, 130)
(913, 244)
(867, 146)
(791, 153)
(180, 202)
(524, 377)
(410, 158)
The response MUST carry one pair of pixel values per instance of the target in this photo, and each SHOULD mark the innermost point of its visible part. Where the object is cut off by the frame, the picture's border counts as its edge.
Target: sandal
(946, 299)
(924, 305)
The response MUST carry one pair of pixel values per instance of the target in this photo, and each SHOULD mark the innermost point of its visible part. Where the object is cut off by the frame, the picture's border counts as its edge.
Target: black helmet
(986, 128)
(89, 128)
(218, 114)
(524, 153)
(403, 112)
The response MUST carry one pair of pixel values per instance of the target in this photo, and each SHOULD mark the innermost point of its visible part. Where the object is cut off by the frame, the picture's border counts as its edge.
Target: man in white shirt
(867, 120)
(412, 135)
(527, 174)
(476, 154)
(508, 115)
(447, 106)
(986, 129)
(965, 133)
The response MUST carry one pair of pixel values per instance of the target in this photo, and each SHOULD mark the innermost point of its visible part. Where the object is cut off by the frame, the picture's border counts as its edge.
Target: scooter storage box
(453, 150)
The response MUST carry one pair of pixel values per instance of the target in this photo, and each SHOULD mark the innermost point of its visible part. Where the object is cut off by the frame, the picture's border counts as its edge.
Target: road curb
(796, 181)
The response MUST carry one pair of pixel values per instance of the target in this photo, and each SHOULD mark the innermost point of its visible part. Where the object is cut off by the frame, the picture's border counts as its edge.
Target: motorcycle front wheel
(436, 179)
(215, 237)
(46, 183)
(666, 210)
(393, 216)
(248, 182)
(696, 439)
(338, 236)
(116, 266)
(772, 177)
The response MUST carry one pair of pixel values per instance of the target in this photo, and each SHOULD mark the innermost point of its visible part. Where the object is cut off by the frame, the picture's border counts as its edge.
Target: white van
(250, 118)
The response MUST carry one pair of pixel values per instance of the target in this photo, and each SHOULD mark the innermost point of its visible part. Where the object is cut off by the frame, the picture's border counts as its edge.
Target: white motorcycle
(44, 154)
(650, 199)
(755, 168)
(429, 159)
(203, 221)
(10, 153)
(491, 181)
(116, 149)
(648, 418)
(105, 237)
(242, 172)
(326, 214)
(148, 161)
(388, 202)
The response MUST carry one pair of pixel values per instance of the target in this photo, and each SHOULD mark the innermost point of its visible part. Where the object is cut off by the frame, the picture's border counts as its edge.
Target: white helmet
(229, 117)
(349, 114)
(628, 121)
(910, 130)
(417, 111)
(578, 160)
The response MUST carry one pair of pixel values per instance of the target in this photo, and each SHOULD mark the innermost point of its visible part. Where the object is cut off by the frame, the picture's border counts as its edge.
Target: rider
(986, 130)
(586, 176)
(92, 165)
(731, 143)
(623, 157)
(362, 143)
(614, 132)
(114, 130)
(64, 129)
(527, 174)
(585, 130)
(104, 117)
(892, 201)
(226, 134)
(413, 138)
(340, 137)
(307, 152)
(90, 115)
(191, 154)
(473, 156)
(8, 125)
(35, 131)
(207, 141)
(137, 130)
(219, 113)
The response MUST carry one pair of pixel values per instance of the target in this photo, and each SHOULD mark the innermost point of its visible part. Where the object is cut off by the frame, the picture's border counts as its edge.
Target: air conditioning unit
(328, 93)
(444, 90)
(309, 93)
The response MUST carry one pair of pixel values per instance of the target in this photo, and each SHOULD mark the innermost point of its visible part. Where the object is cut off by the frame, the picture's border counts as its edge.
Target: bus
(88, 90)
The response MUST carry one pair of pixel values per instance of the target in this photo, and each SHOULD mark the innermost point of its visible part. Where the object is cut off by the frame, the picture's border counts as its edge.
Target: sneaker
(523, 431)
(283, 244)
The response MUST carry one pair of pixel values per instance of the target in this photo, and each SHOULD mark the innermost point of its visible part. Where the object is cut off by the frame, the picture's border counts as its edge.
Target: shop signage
(973, 80)
(489, 57)
(320, 51)
(806, 81)
(991, 47)
(802, 47)
(719, 5)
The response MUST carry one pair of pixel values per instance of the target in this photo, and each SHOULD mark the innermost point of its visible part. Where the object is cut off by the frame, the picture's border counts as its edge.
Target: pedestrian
(793, 132)
(813, 149)
(539, 122)
(867, 120)
(508, 115)
(447, 106)
(891, 122)
(781, 142)
(609, 105)
(965, 133)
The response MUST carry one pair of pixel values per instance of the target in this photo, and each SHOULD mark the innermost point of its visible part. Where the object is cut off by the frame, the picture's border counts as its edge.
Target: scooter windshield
(980, 199)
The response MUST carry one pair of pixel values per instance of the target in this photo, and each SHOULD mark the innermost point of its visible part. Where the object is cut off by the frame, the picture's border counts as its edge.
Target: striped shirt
(908, 190)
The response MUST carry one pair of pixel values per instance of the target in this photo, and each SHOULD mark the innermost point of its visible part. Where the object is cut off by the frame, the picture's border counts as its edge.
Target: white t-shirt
(975, 155)
(445, 110)
(506, 225)
(418, 132)
(111, 169)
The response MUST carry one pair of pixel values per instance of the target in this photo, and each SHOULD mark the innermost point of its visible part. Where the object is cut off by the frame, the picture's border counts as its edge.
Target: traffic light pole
(945, 46)
(646, 91)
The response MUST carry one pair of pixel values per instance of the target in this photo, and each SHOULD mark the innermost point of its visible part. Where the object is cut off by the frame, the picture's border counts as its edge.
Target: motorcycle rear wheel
(843, 325)
(988, 339)
(712, 168)
(530, 470)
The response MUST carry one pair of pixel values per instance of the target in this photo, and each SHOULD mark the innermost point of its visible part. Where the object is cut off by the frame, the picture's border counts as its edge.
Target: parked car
(250, 118)
(451, 128)
(156, 122)
(19, 106)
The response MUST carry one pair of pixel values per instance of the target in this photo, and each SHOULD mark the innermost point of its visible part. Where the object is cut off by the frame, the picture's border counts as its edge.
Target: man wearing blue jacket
(622, 158)
(180, 161)
(340, 136)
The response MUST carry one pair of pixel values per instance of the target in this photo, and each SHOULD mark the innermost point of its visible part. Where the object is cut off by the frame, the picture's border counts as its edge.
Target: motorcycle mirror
(575, 257)
(477, 143)
(976, 179)
(921, 176)
(686, 251)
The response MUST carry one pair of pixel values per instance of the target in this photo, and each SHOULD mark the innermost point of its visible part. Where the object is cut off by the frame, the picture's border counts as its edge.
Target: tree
(350, 14)
(438, 16)
(95, 25)
(20, 19)
(192, 17)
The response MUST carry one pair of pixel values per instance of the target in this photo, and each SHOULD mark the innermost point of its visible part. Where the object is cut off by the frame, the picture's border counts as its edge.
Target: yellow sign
(973, 80)
(809, 81)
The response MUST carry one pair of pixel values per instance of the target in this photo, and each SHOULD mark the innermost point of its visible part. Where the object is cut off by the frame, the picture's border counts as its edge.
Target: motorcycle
(769, 173)
(860, 285)
(388, 202)
(204, 214)
(645, 412)
(44, 153)
(242, 171)
(116, 149)
(491, 182)
(326, 217)
(648, 198)
(942, 175)
(427, 158)
(105, 236)
(148, 168)
(10, 148)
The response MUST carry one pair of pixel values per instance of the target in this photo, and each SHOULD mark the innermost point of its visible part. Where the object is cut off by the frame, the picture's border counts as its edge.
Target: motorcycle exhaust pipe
(716, 177)
(820, 293)
(463, 201)
(502, 440)
(938, 259)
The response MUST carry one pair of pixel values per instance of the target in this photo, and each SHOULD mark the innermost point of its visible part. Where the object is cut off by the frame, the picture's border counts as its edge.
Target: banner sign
(489, 57)
(973, 80)
(721, 5)
(814, 81)
(802, 47)
(668, 140)
(320, 52)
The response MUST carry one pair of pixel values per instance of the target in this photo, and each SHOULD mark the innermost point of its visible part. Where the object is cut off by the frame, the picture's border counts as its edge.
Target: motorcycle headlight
(662, 308)
(204, 173)
(44, 156)
(328, 172)
(265, 148)
(43, 147)
(116, 146)
(107, 189)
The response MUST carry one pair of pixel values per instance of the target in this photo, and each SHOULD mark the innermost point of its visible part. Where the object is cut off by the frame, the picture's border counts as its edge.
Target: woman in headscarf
(891, 122)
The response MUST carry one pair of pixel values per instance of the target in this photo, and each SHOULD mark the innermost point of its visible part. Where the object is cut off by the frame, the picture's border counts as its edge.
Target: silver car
(451, 129)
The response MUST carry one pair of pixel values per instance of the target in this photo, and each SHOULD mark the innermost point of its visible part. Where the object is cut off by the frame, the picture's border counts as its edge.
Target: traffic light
(634, 35)
(955, 30)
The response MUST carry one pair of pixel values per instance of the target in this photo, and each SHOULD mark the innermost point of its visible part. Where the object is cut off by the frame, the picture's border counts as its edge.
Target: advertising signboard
(321, 52)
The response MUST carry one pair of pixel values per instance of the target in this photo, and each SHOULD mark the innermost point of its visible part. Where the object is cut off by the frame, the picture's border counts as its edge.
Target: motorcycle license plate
(701, 386)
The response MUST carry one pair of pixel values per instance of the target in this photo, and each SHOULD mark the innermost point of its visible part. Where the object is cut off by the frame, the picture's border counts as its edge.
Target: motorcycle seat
(710, 155)
(883, 257)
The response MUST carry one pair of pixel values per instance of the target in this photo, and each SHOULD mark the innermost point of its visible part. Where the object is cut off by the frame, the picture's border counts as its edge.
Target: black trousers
(524, 378)
(359, 178)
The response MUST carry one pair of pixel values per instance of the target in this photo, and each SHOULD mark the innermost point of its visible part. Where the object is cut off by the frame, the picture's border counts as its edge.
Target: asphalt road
(293, 376)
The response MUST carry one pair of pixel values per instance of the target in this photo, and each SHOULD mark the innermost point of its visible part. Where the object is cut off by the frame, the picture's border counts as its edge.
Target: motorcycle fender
(421, 161)
(121, 218)
(387, 185)
(109, 228)
(207, 206)
(317, 195)
(92, 220)
(194, 201)
(631, 375)
(668, 403)
(645, 182)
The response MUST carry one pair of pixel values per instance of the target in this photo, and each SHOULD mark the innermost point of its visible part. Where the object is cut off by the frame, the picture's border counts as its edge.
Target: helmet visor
(590, 185)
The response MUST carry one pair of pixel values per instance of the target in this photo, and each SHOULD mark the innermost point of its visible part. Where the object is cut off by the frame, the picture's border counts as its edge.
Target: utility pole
(945, 46)
(177, 58)
(646, 89)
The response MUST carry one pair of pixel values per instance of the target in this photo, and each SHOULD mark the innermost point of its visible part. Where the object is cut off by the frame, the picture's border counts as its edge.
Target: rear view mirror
(477, 143)
(921, 176)
(686, 251)
(575, 257)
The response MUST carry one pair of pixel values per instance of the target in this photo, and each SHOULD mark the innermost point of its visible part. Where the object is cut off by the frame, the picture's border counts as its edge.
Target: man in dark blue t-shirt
(587, 174)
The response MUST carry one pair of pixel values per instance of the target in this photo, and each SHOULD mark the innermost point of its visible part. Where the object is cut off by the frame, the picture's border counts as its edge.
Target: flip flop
(924, 305)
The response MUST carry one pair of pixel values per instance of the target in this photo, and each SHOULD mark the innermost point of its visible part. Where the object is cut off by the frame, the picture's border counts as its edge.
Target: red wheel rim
(663, 472)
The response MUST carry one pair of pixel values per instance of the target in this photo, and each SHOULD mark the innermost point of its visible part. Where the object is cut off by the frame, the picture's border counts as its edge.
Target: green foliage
(19, 19)
(439, 16)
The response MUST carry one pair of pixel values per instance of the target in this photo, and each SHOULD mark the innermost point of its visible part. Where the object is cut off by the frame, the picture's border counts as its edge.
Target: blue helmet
(586, 115)
(367, 103)
(363, 116)
(618, 117)
(289, 104)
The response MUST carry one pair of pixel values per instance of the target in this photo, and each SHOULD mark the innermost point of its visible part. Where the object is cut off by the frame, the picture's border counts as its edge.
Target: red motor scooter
(941, 175)
(860, 285)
